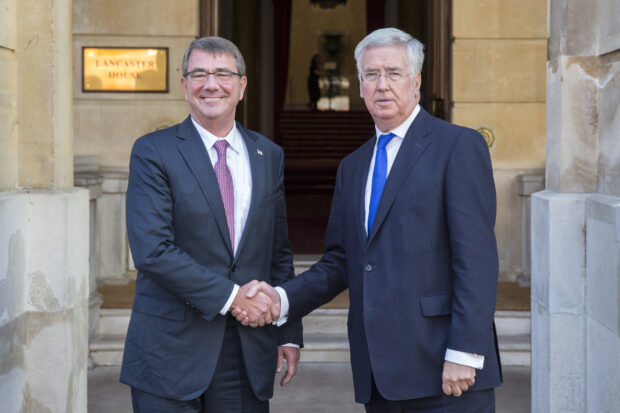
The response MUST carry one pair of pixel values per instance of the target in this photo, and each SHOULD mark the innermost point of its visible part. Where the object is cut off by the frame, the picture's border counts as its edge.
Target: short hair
(392, 37)
(215, 45)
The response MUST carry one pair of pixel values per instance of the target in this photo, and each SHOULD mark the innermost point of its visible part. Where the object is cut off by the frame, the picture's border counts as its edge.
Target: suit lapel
(414, 144)
(257, 170)
(195, 154)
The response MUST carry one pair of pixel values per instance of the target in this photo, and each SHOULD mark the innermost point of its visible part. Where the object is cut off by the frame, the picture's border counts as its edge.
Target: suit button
(368, 267)
(234, 268)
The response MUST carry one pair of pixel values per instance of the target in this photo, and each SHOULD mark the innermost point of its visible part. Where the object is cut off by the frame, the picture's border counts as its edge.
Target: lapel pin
(258, 151)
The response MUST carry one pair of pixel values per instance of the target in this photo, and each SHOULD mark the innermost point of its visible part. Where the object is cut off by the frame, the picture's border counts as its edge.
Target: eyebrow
(217, 69)
(387, 69)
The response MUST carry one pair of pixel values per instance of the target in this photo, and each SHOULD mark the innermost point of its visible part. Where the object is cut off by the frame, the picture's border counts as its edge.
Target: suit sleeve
(151, 235)
(470, 212)
(328, 277)
(282, 260)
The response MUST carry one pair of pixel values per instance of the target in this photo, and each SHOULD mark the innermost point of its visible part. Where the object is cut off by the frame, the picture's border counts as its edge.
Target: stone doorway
(278, 40)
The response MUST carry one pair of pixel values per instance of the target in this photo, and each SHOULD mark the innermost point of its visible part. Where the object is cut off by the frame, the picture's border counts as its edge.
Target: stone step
(113, 321)
(325, 337)
(515, 350)
(326, 321)
(106, 350)
(325, 348)
(510, 323)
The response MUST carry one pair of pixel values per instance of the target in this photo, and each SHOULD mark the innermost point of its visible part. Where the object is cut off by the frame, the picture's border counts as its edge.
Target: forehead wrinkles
(224, 61)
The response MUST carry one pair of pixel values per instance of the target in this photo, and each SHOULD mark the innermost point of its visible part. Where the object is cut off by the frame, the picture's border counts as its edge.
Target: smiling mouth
(209, 99)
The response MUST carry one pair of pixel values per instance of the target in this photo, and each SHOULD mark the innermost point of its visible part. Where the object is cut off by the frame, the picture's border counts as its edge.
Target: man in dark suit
(411, 234)
(205, 215)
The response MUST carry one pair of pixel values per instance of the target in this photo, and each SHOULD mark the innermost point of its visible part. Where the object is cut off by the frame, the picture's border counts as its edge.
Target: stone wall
(498, 56)
(43, 220)
(576, 221)
(107, 124)
(43, 300)
(8, 96)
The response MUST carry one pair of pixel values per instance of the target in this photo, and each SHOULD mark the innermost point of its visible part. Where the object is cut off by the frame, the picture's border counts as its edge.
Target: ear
(418, 82)
(244, 83)
(185, 85)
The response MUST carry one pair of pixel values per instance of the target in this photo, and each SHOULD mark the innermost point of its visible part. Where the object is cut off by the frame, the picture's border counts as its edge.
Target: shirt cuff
(466, 359)
(226, 307)
(283, 307)
(290, 345)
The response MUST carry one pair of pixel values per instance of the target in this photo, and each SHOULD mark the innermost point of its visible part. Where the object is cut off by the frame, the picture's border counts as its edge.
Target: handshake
(256, 304)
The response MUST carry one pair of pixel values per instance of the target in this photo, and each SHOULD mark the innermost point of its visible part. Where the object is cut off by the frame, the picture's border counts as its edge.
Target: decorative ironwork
(328, 4)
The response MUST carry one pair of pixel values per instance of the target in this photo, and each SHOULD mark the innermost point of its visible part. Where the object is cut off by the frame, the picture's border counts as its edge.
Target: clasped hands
(256, 304)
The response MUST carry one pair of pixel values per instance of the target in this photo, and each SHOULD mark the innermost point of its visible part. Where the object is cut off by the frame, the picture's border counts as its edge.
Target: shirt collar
(401, 130)
(209, 139)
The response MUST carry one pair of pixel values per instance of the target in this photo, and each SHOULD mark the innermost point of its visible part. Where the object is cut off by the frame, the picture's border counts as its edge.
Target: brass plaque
(115, 69)
(488, 135)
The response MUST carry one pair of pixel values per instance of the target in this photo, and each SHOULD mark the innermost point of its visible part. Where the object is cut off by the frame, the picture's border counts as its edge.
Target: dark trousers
(229, 391)
(469, 402)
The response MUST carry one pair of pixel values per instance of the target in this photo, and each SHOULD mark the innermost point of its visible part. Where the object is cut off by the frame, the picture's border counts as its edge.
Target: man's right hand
(257, 290)
(253, 307)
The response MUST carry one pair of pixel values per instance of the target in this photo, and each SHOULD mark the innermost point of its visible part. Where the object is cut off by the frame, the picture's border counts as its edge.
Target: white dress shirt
(467, 359)
(238, 161)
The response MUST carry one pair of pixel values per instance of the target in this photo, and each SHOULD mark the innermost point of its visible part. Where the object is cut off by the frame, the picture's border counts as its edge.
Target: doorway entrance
(279, 39)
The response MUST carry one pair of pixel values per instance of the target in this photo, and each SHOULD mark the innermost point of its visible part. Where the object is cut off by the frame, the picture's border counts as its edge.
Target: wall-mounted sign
(115, 69)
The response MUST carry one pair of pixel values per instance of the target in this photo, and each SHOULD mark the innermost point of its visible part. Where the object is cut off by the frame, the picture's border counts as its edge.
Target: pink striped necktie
(224, 180)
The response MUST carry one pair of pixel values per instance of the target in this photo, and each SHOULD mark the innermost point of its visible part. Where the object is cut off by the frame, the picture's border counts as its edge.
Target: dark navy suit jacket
(186, 269)
(426, 278)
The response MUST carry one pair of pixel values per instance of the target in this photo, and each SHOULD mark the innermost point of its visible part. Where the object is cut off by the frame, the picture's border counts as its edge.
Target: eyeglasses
(373, 76)
(221, 76)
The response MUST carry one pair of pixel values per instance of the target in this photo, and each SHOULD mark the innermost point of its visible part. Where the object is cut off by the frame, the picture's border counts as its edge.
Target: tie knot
(384, 140)
(220, 147)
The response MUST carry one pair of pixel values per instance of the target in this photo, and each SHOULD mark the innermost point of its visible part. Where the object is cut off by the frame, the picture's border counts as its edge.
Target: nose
(211, 83)
(382, 82)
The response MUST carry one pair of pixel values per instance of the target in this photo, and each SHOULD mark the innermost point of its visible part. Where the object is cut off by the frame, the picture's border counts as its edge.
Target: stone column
(112, 228)
(527, 185)
(87, 177)
(43, 218)
(576, 220)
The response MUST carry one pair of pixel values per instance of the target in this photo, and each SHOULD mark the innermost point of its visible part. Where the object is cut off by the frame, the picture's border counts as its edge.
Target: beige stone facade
(499, 54)
(576, 221)
(47, 120)
(107, 124)
(43, 220)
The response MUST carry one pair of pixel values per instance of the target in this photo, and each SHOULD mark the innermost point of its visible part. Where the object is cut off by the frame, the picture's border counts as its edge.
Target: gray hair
(392, 37)
(215, 45)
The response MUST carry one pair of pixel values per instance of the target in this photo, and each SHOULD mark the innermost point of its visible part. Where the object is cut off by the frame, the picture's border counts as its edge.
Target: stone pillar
(527, 185)
(576, 220)
(87, 177)
(558, 310)
(112, 228)
(43, 219)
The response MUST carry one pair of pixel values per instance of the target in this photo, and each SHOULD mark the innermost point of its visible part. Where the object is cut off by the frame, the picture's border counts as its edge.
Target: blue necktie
(379, 175)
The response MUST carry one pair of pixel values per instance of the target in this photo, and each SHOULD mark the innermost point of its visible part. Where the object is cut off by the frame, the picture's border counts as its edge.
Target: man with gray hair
(205, 216)
(411, 235)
